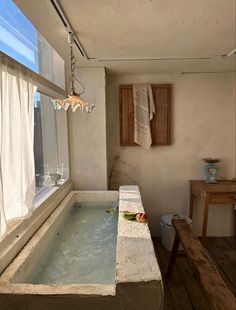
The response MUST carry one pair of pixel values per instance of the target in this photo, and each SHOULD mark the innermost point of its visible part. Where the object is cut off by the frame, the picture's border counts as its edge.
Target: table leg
(173, 255)
(205, 218)
(234, 210)
(191, 203)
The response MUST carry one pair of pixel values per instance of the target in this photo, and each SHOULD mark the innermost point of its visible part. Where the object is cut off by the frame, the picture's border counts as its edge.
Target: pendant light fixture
(73, 100)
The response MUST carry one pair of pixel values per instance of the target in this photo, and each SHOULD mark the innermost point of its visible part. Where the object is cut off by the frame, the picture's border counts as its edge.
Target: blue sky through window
(18, 37)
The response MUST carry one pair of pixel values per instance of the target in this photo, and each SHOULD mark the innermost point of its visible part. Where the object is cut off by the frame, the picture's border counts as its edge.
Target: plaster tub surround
(138, 282)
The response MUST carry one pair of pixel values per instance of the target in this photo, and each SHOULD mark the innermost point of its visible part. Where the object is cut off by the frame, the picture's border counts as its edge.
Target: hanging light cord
(72, 70)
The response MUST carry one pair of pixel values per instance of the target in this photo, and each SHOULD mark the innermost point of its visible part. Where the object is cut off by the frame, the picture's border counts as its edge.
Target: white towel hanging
(144, 110)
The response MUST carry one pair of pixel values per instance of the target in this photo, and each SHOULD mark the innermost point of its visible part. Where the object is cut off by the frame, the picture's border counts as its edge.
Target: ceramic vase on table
(211, 169)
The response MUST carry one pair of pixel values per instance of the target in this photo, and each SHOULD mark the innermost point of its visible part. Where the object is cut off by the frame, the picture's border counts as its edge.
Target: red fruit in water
(141, 217)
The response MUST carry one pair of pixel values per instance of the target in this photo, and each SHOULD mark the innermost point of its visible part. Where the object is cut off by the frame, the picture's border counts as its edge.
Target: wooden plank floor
(182, 290)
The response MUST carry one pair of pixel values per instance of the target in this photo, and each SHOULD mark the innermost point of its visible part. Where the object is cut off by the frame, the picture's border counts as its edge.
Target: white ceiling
(143, 36)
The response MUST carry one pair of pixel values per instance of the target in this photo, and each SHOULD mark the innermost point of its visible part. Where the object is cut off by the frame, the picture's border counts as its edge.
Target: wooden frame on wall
(161, 122)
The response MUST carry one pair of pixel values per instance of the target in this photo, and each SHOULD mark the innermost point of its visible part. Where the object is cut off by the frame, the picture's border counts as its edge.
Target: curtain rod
(44, 85)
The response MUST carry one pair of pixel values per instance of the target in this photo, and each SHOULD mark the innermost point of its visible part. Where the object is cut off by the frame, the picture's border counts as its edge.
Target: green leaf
(129, 216)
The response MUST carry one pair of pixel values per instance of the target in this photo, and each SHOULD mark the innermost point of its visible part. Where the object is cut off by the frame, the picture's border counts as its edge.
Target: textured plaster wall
(87, 135)
(203, 124)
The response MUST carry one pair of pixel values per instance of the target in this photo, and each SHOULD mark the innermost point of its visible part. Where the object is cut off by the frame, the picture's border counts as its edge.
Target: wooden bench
(218, 294)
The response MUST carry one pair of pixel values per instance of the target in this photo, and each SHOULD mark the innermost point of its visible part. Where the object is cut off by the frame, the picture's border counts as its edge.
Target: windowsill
(42, 194)
(41, 197)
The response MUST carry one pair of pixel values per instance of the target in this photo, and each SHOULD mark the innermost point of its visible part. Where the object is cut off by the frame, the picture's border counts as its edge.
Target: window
(22, 47)
(20, 40)
(49, 164)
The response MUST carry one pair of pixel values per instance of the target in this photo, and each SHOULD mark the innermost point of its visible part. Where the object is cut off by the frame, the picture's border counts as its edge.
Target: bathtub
(137, 279)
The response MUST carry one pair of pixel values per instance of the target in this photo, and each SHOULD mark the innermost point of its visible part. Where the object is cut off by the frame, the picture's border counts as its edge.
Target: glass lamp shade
(74, 101)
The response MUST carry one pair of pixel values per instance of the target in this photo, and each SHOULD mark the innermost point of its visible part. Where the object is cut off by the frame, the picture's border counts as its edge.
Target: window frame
(44, 86)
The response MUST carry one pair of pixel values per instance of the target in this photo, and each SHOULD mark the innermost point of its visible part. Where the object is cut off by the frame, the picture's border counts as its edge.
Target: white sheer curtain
(17, 179)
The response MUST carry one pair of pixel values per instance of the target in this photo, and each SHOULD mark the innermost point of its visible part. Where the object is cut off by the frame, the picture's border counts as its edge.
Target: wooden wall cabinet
(160, 124)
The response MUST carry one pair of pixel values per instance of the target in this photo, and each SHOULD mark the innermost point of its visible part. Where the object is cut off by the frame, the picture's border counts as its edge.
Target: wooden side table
(223, 192)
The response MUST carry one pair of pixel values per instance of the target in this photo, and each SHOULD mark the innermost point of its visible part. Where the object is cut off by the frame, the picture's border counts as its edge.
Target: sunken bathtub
(87, 256)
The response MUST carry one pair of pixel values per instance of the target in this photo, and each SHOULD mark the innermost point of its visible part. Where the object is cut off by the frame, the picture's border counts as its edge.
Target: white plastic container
(168, 231)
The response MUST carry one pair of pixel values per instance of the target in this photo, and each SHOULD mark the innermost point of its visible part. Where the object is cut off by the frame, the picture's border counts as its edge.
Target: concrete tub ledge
(58, 290)
(136, 260)
(138, 277)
